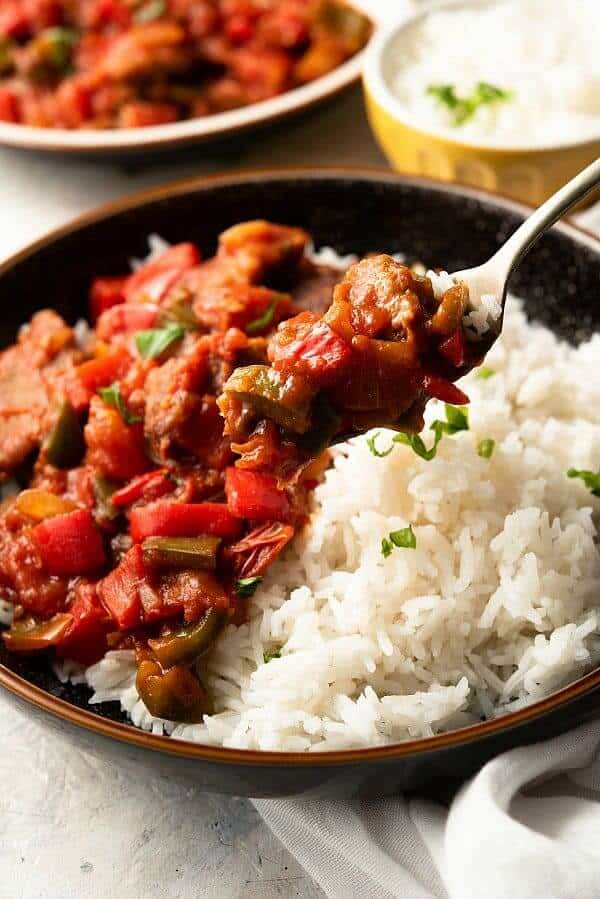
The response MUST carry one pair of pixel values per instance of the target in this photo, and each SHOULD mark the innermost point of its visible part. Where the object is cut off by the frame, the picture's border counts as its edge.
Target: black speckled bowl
(353, 211)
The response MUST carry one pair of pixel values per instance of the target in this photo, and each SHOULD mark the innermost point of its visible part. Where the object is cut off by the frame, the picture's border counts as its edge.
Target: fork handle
(519, 243)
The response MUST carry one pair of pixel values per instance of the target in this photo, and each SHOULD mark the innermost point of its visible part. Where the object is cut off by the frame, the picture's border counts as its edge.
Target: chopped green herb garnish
(386, 547)
(381, 454)
(263, 321)
(485, 448)
(417, 445)
(269, 656)
(153, 342)
(112, 397)
(591, 479)
(457, 420)
(484, 372)
(150, 11)
(405, 538)
(464, 108)
(246, 586)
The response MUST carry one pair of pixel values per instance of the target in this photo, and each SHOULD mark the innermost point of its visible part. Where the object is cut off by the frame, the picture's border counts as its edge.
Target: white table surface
(71, 827)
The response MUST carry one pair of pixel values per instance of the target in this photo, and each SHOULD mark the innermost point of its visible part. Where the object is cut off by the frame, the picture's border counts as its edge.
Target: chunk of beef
(384, 298)
(314, 288)
(180, 417)
(262, 251)
(32, 378)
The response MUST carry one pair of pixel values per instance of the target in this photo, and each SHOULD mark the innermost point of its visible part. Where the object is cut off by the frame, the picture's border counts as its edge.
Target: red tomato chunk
(70, 544)
(85, 639)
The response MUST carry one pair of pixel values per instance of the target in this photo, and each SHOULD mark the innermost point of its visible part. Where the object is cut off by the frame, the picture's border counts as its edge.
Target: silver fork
(492, 276)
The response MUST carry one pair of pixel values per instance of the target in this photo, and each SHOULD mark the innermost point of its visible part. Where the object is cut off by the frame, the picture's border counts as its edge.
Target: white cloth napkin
(510, 832)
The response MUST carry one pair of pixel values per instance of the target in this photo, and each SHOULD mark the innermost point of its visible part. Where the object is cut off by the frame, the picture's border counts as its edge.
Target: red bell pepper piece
(85, 640)
(444, 390)
(167, 519)
(453, 348)
(253, 495)
(104, 294)
(9, 106)
(151, 282)
(70, 544)
(125, 318)
(321, 355)
(151, 485)
(120, 590)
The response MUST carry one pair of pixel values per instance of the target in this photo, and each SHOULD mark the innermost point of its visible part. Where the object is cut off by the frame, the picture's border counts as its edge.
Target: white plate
(62, 140)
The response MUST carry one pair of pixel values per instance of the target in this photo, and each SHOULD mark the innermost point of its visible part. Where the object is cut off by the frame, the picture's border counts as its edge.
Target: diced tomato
(85, 640)
(141, 114)
(98, 372)
(14, 21)
(125, 318)
(114, 447)
(151, 282)
(108, 12)
(74, 101)
(254, 495)
(104, 294)
(317, 353)
(444, 390)
(168, 519)
(453, 348)
(131, 599)
(151, 485)
(120, 590)
(239, 29)
(9, 106)
(70, 544)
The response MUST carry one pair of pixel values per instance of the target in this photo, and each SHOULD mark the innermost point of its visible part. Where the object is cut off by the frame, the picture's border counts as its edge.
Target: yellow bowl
(527, 173)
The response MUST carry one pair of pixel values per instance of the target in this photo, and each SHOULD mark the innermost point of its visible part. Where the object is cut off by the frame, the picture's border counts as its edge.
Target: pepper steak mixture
(130, 63)
(168, 454)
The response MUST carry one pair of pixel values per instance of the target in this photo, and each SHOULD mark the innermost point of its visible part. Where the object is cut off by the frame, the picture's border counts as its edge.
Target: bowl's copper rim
(128, 733)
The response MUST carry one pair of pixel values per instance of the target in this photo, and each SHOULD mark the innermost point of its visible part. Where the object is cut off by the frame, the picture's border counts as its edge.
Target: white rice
(545, 52)
(497, 606)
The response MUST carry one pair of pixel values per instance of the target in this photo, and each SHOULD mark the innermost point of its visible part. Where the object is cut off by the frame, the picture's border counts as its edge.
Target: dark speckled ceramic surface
(354, 213)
